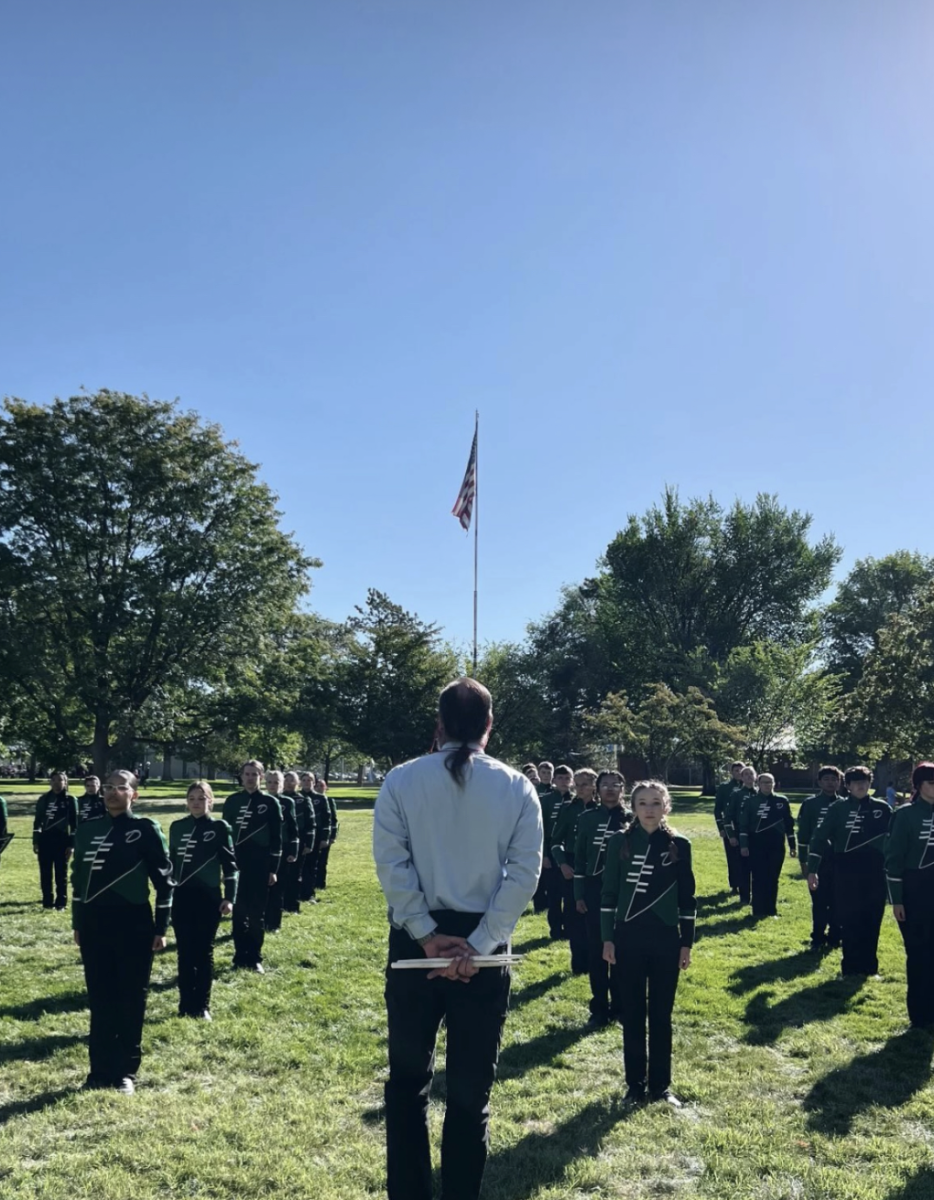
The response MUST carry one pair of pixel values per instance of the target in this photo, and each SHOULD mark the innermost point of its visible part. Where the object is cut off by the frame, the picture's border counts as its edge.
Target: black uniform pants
(574, 925)
(321, 868)
(743, 875)
(766, 855)
(554, 887)
(310, 872)
(275, 899)
(824, 924)
(53, 860)
(540, 899)
(116, 950)
(604, 991)
(195, 918)
(474, 1014)
(918, 935)
(647, 955)
(859, 887)
(249, 912)
(732, 863)
(293, 883)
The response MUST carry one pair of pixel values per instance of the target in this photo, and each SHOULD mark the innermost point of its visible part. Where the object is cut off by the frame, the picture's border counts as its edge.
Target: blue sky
(678, 242)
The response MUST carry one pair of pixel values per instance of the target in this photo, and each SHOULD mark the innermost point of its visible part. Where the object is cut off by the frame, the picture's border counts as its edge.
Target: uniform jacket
(115, 860)
(595, 828)
(654, 883)
(202, 855)
(256, 821)
(766, 816)
(564, 831)
(851, 827)
(909, 849)
(810, 815)
(721, 804)
(56, 817)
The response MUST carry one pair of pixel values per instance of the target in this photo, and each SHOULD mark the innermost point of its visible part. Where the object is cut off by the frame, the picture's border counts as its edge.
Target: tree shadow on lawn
(531, 944)
(21, 1108)
(535, 991)
(738, 924)
(67, 1002)
(776, 970)
(887, 1077)
(35, 1049)
(916, 1187)
(715, 900)
(519, 1057)
(542, 1156)
(824, 1000)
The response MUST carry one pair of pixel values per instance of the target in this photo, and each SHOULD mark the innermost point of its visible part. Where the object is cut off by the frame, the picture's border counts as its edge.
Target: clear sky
(652, 242)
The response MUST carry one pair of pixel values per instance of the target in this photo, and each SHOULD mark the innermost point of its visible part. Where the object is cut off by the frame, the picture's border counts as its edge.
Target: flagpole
(476, 533)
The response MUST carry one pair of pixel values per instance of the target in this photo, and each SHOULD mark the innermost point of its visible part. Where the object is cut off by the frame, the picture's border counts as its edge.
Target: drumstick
(438, 964)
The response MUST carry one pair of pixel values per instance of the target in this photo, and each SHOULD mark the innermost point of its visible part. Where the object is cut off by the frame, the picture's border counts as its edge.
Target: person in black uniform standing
(256, 820)
(731, 820)
(305, 822)
(909, 857)
(53, 836)
(91, 804)
(275, 901)
(324, 853)
(116, 858)
(201, 847)
(765, 822)
(721, 808)
(322, 821)
(825, 928)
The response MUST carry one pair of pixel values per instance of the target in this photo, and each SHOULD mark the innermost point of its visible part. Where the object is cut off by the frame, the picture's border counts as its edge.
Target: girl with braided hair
(647, 916)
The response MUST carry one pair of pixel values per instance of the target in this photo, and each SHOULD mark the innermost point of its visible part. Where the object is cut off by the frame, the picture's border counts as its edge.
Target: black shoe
(634, 1095)
(47, 904)
(598, 1021)
(93, 1083)
(124, 1086)
(61, 905)
(667, 1096)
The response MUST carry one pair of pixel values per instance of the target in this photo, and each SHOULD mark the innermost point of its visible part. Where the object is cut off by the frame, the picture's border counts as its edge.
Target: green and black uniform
(324, 852)
(721, 809)
(115, 860)
(649, 911)
(731, 829)
(595, 828)
(825, 928)
(275, 901)
(90, 807)
(256, 821)
(765, 823)
(305, 824)
(909, 857)
(551, 884)
(322, 815)
(563, 841)
(855, 831)
(4, 827)
(202, 861)
(53, 836)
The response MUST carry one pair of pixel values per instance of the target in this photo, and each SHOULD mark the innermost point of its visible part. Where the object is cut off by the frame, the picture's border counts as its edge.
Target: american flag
(463, 505)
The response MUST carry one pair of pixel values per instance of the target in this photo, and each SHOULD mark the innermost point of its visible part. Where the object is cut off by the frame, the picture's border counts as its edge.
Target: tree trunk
(709, 784)
(168, 749)
(100, 747)
(327, 764)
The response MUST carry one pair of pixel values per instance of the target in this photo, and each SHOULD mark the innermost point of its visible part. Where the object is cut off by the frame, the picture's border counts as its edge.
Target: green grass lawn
(797, 1084)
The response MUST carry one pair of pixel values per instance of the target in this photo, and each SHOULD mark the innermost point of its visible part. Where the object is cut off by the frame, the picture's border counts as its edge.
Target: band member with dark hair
(855, 830)
(765, 822)
(201, 848)
(551, 880)
(457, 839)
(116, 859)
(320, 822)
(305, 823)
(256, 820)
(825, 928)
(275, 899)
(746, 794)
(324, 850)
(53, 836)
(909, 857)
(721, 807)
(563, 841)
(91, 804)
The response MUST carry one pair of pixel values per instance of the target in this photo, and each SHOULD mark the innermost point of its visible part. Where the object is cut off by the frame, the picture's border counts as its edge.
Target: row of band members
(267, 852)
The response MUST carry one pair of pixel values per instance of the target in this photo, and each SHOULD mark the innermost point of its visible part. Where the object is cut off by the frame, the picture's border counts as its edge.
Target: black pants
(824, 924)
(766, 855)
(918, 935)
(293, 883)
(275, 899)
(474, 1014)
(732, 863)
(647, 954)
(249, 912)
(310, 872)
(574, 925)
(604, 990)
(554, 886)
(116, 950)
(743, 875)
(540, 899)
(53, 859)
(321, 869)
(859, 886)
(195, 918)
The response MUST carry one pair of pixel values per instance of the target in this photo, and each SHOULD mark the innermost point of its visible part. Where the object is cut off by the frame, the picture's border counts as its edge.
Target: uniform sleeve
(896, 856)
(159, 869)
(745, 812)
(520, 876)
(78, 872)
(559, 832)
(290, 821)
(609, 893)
(175, 831)
(687, 894)
(580, 858)
(3, 817)
(395, 870)
(805, 821)
(719, 808)
(274, 822)
(312, 826)
(731, 821)
(821, 840)
(332, 813)
(228, 861)
(227, 812)
(72, 819)
(789, 822)
(37, 820)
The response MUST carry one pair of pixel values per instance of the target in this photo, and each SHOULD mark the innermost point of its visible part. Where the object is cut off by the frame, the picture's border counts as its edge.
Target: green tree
(522, 720)
(136, 552)
(396, 667)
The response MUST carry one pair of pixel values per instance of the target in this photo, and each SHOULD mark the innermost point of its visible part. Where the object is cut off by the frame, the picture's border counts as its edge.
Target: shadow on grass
(715, 900)
(520, 1057)
(19, 903)
(35, 1049)
(534, 991)
(739, 924)
(32, 1010)
(531, 944)
(541, 1158)
(778, 970)
(767, 1022)
(22, 1108)
(917, 1187)
(888, 1077)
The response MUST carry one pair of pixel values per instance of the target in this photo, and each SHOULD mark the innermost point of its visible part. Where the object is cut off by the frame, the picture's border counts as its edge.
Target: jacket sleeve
(687, 894)
(560, 831)
(790, 829)
(37, 820)
(72, 819)
(78, 872)
(580, 858)
(805, 821)
(274, 821)
(520, 876)
(744, 822)
(290, 823)
(332, 814)
(3, 817)
(731, 818)
(609, 893)
(896, 855)
(821, 841)
(228, 861)
(395, 870)
(719, 808)
(159, 869)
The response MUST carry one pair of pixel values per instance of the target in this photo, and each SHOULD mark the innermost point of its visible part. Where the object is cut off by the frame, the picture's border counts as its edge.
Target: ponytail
(465, 709)
(457, 760)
